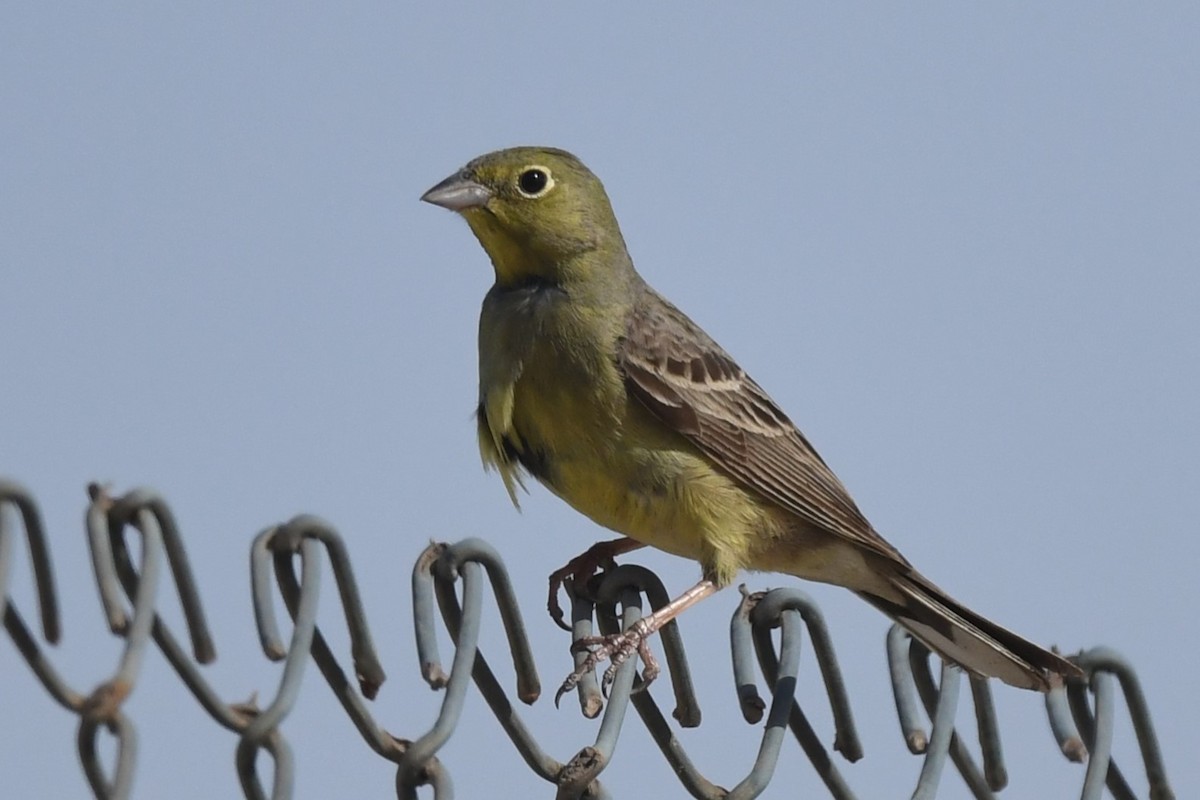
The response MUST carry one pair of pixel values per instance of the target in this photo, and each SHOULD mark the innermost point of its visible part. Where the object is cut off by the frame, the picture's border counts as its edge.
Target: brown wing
(691, 384)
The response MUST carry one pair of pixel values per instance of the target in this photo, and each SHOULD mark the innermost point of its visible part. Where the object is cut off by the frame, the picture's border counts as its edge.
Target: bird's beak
(458, 193)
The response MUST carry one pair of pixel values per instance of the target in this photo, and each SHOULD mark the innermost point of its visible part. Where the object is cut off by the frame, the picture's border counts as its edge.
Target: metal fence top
(766, 636)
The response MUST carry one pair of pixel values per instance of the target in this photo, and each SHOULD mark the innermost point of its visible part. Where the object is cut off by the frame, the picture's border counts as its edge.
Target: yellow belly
(625, 470)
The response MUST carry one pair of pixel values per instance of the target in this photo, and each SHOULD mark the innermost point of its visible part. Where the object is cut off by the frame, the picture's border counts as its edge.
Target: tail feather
(963, 637)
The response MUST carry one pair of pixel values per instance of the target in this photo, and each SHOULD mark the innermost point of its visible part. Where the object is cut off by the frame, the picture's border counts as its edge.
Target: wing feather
(685, 379)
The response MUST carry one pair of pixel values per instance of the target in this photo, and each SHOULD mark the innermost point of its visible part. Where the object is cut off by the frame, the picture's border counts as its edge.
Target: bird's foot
(581, 568)
(616, 648)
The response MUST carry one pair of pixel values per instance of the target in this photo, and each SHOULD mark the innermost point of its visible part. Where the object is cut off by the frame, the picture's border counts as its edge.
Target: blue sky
(959, 245)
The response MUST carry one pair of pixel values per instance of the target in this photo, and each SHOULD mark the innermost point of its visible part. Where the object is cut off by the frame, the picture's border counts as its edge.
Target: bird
(598, 387)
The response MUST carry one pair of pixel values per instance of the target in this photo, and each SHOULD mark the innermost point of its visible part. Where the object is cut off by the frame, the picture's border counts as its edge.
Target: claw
(556, 583)
(616, 649)
(620, 646)
(578, 570)
(582, 567)
(570, 683)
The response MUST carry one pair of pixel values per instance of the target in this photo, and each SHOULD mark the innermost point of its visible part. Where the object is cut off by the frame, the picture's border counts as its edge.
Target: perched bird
(593, 383)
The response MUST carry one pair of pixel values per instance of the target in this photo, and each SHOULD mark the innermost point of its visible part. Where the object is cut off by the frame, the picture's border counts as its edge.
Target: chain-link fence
(1082, 714)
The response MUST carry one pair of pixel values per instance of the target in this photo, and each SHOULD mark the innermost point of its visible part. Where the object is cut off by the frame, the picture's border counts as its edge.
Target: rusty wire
(1083, 728)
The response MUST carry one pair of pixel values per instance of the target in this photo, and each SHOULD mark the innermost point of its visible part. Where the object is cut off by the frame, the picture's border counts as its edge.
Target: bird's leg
(618, 647)
(584, 566)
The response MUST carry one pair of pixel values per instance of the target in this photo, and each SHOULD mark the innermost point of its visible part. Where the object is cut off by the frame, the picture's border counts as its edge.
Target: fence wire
(1082, 714)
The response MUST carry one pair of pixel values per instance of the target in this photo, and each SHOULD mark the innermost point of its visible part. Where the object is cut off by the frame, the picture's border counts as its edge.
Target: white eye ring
(535, 181)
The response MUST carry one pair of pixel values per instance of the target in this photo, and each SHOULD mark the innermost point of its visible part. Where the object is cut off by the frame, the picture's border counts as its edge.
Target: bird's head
(537, 211)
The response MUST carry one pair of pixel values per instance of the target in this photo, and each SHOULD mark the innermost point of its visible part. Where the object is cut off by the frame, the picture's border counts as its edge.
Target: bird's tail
(963, 637)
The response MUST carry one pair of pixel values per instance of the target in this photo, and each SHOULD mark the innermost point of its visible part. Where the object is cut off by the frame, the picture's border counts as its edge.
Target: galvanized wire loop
(12, 493)
(765, 611)
(144, 510)
(480, 552)
(614, 584)
(624, 587)
(1101, 664)
(289, 538)
(142, 588)
(953, 745)
(1062, 726)
(122, 730)
(942, 734)
(1100, 769)
(302, 605)
(904, 691)
(908, 662)
(764, 616)
(583, 610)
(784, 705)
(612, 601)
(411, 771)
(283, 779)
(430, 577)
(274, 550)
(988, 731)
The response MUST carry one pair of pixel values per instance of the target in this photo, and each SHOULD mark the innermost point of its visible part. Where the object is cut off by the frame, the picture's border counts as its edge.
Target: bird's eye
(535, 182)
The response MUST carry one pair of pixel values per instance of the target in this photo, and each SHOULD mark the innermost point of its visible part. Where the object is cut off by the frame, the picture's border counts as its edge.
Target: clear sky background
(959, 245)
